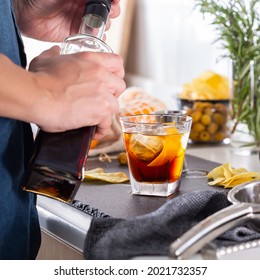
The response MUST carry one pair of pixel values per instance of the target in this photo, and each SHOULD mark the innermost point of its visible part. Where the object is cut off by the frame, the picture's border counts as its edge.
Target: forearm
(18, 91)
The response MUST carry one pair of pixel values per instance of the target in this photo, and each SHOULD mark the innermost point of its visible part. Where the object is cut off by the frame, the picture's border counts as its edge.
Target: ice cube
(145, 147)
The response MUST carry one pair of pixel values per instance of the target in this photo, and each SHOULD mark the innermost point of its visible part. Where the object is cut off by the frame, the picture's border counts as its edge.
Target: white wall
(170, 45)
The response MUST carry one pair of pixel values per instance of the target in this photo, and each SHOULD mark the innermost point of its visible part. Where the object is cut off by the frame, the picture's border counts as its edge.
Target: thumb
(53, 51)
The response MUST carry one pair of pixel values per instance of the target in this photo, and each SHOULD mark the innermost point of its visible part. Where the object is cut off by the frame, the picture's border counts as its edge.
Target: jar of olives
(210, 121)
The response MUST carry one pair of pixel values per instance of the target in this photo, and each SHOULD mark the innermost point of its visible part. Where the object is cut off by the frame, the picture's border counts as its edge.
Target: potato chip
(228, 170)
(217, 172)
(96, 170)
(239, 171)
(240, 178)
(216, 182)
(228, 177)
(207, 86)
(100, 175)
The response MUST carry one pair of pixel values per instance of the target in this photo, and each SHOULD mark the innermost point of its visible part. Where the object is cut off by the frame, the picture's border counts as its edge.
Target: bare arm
(17, 91)
(57, 100)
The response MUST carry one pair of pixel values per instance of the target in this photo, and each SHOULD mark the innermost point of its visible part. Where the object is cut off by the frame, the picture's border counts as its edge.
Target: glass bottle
(56, 168)
(91, 30)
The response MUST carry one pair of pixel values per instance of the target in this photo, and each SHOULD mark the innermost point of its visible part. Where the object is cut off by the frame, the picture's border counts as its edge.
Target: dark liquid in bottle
(56, 168)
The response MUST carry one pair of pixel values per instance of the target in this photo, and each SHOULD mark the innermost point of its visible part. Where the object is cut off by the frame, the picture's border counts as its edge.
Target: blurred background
(164, 43)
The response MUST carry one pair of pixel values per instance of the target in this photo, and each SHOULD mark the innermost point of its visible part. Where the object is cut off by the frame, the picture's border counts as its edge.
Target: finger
(115, 2)
(111, 62)
(115, 10)
(108, 25)
(109, 103)
(105, 82)
(102, 128)
(112, 84)
(115, 65)
(44, 56)
(53, 51)
(121, 86)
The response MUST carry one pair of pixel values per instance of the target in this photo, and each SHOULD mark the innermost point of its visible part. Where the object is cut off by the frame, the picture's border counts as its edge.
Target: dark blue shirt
(19, 226)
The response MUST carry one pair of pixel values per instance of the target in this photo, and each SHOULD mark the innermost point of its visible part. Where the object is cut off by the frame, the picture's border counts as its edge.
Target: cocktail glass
(155, 146)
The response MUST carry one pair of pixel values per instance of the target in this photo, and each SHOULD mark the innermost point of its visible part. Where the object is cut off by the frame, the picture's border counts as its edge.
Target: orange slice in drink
(171, 148)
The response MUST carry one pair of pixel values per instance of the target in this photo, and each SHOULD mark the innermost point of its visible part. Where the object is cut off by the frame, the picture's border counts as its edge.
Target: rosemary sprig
(237, 24)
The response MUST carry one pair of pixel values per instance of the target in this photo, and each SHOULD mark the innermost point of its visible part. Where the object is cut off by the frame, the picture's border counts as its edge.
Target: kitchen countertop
(70, 225)
(224, 153)
(117, 201)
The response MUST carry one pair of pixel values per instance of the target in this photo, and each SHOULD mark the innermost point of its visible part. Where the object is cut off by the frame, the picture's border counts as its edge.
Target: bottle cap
(98, 7)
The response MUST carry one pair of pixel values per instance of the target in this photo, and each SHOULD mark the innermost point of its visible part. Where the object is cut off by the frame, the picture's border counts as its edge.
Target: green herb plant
(237, 23)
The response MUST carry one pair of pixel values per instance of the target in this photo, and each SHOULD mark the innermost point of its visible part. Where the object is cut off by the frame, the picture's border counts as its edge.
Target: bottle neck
(95, 18)
(94, 25)
(90, 35)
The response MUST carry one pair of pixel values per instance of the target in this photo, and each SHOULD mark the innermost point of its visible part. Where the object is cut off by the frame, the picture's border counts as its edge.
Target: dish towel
(111, 238)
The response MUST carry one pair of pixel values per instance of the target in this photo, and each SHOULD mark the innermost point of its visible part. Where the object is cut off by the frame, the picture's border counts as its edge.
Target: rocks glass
(155, 146)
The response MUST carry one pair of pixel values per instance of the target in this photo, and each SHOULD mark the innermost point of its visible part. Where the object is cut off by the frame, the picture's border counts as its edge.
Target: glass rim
(179, 118)
(172, 112)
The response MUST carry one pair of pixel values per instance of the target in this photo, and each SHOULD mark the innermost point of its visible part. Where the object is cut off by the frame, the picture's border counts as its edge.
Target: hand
(53, 20)
(81, 90)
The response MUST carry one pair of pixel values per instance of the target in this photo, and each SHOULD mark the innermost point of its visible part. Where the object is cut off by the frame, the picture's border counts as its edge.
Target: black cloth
(152, 234)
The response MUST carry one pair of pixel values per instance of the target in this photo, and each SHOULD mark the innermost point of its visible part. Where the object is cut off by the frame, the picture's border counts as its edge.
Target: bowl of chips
(206, 100)
(207, 86)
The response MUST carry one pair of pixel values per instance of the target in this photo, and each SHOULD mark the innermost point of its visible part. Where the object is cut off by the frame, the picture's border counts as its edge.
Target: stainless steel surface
(246, 207)
(243, 251)
(66, 223)
(247, 193)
